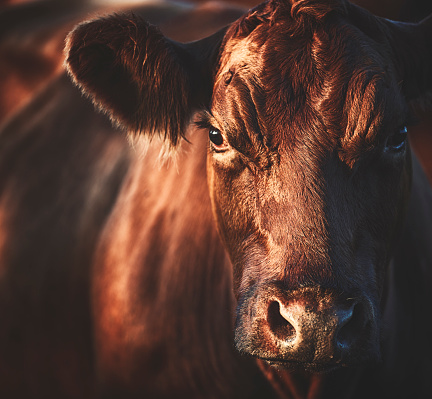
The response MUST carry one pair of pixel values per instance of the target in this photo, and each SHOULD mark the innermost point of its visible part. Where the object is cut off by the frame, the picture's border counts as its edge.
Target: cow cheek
(392, 216)
(232, 212)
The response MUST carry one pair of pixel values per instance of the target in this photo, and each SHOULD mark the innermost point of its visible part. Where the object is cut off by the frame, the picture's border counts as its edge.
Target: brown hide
(154, 324)
(47, 280)
(33, 32)
(114, 283)
(54, 199)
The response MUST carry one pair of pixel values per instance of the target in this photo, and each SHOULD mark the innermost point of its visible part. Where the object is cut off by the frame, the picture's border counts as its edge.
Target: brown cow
(61, 168)
(309, 171)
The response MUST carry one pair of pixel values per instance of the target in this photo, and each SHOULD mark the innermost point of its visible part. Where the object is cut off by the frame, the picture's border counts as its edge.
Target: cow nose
(315, 331)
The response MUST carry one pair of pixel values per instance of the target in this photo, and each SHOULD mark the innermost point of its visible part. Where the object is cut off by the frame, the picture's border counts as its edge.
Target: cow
(272, 203)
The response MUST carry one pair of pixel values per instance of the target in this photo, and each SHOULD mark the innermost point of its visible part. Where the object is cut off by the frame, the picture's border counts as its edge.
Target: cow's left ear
(412, 50)
(144, 81)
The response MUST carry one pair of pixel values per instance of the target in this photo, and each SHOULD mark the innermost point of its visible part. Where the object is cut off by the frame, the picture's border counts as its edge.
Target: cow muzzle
(309, 328)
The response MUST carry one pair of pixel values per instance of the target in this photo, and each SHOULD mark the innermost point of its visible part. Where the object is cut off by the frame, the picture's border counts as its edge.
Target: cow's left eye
(397, 141)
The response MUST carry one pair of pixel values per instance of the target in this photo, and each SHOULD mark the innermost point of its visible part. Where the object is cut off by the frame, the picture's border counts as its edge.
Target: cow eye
(216, 138)
(397, 141)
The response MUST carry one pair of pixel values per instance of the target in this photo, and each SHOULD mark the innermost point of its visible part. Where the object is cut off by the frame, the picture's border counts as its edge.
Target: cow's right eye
(397, 141)
(216, 137)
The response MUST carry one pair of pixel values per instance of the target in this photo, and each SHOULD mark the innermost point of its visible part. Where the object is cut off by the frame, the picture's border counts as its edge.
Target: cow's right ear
(144, 81)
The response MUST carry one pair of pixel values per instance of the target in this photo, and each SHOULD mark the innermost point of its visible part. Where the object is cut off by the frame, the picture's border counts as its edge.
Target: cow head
(305, 104)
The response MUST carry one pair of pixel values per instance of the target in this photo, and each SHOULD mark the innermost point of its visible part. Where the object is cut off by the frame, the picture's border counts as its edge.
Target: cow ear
(144, 81)
(412, 49)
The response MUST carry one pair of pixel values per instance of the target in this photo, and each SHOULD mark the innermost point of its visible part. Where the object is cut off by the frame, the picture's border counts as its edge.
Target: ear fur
(144, 81)
(412, 48)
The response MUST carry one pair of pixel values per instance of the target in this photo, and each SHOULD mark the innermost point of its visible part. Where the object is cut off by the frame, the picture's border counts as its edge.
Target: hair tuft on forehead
(263, 13)
(315, 9)
(301, 12)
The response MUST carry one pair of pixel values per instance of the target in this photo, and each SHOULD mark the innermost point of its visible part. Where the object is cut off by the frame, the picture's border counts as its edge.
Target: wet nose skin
(309, 328)
(315, 332)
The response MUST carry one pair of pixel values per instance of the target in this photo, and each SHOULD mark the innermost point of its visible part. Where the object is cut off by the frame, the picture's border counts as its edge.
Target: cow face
(309, 173)
(305, 104)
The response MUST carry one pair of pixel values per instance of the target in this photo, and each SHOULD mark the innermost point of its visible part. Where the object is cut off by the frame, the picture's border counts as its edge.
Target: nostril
(351, 326)
(279, 325)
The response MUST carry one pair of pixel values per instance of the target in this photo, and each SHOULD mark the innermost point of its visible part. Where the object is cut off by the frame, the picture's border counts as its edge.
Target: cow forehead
(325, 77)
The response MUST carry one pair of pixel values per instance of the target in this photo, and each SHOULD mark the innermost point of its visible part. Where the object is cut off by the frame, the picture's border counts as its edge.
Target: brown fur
(305, 96)
(114, 281)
